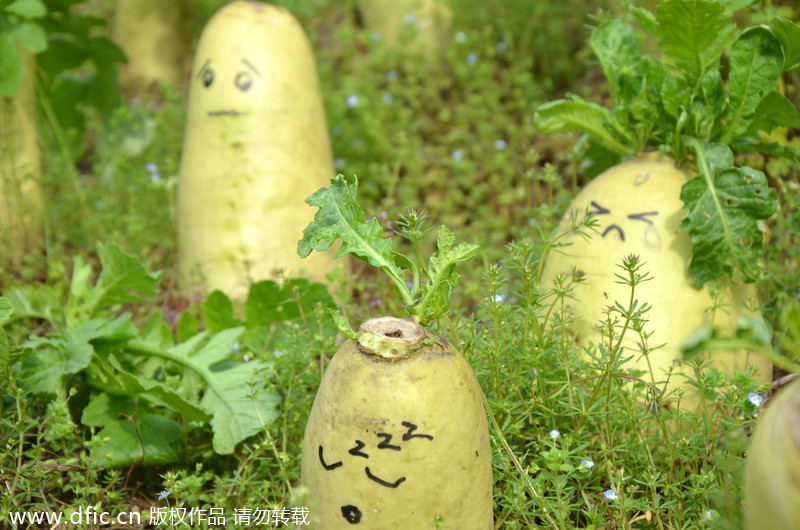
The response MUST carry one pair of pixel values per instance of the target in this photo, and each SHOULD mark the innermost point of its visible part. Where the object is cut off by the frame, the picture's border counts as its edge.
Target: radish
(21, 198)
(256, 145)
(638, 208)
(772, 472)
(159, 54)
(429, 20)
(397, 436)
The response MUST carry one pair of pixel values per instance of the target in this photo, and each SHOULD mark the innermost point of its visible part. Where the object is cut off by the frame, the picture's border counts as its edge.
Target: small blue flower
(554, 434)
(277, 353)
(588, 464)
(352, 101)
(755, 399)
(151, 167)
(338, 162)
(498, 298)
(532, 221)
(708, 515)
(610, 495)
(387, 98)
(461, 37)
(245, 358)
(391, 75)
(236, 348)
(164, 494)
(500, 144)
(155, 178)
(458, 155)
(336, 130)
(502, 46)
(376, 36)
(472, 58)
(409, 18)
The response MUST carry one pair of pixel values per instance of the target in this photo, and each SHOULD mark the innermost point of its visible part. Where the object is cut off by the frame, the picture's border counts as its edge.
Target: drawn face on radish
(243, 78)
(628, 226)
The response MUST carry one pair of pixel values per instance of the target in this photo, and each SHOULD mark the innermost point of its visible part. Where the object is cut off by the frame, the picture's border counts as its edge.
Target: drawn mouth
(226, 112)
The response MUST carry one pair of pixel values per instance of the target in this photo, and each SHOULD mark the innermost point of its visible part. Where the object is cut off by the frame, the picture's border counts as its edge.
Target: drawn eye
(243, 81)
(208, 77)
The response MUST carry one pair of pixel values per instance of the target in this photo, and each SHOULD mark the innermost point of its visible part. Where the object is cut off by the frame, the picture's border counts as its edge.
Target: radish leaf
(725, 206)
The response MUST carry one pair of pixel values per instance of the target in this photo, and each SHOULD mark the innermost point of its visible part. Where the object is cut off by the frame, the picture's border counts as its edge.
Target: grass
(578, 440)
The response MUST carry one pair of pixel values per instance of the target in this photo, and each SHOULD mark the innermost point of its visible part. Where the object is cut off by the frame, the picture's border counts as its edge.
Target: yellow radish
(772, 472)
(21, 198)
(638, 207)
(153, 37)
(397, 436)
(256, 146)
(429, 20)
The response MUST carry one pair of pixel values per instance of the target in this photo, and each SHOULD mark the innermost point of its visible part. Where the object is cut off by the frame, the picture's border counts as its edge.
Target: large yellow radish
(638, 207)
(21, 198)
(256, 146)
(397, 436)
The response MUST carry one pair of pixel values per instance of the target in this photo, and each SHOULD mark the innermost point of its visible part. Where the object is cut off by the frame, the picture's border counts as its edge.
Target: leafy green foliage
(340, 217)
(725, 207)
(19, 25)
(142, 378)
(681, 102)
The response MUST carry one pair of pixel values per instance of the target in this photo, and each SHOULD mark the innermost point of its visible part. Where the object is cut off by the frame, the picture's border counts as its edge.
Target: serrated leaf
(235, 393)
(773, 111)
(615, 45)
(693, 33)
(724, 209)
(442, 275)
(218, 312)
(789, 34)
(340, 217)
(756, 62)
(342, 324)
(565, 115)
(123, 276)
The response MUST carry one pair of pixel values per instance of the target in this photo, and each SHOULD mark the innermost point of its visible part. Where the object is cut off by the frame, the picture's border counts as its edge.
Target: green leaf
(6, 309)
(342, 324)
(756, 63)
(340, 217)
(27, 8)
(37, 301)
(693, 33)
(773, 111)
(789, 34)
(615, 45)
(10, 65)
(236, 393)
(731, 6)
(149, 442)
(442, 275)
(218, 313)
(725, 207)
(30, 36)
(187, 327)
(575, 113)
(121, 277)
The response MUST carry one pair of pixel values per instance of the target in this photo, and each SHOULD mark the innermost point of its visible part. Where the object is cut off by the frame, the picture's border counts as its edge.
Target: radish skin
(639, 211)
(21, 197)
(256, 146)
(397, 435)
(772, 472)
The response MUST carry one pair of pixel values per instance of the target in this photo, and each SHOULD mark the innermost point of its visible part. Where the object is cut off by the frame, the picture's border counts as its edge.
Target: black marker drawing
(384, 482)
(328, 467)
(351, 514)
(411, 428)
(385, 443)
(357, 450)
